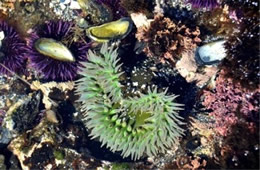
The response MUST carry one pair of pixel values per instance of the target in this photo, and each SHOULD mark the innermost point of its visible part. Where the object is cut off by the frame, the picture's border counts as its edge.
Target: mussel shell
(2, 36)
(211, 53)
(112, 30)
(53, 49)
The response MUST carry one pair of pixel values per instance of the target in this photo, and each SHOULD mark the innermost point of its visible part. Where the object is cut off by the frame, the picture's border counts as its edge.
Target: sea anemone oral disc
(112, 30)
(54, 49)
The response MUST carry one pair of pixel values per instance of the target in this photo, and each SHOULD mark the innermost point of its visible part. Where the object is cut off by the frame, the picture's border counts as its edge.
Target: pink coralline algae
(230, 103)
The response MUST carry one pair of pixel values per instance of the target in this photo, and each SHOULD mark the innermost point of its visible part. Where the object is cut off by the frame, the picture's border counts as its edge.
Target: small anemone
(143, 125)
(12, 47)
(54, 69)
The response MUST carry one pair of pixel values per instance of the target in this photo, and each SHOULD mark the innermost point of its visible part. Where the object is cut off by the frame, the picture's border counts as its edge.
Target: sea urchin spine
(12, 49)
(208, 4)
(136, 126)
(52, 37)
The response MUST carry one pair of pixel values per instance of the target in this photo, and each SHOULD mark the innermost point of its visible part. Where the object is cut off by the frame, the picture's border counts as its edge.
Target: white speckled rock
(74, 5)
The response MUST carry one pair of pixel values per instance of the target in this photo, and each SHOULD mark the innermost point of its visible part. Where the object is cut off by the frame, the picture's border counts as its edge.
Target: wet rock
(29, 8)
(65, 9)
(11, 90)
(51, 116)
(2, 115)
(13, 163)
(87, 163)
(2, 162)
(29, 13)
(41, 158)
(20, 88)
(5, 136)
(193, 72)
(51, 145)
(53, 89)
(120, 166)
(22, 115)
(24, 145)
(57, 94)
(66, 110)
(187, 162)
(193, 143)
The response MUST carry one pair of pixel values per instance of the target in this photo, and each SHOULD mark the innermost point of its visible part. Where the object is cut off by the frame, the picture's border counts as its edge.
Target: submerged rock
(2, 162)
(98, 12)
(54, 145)
(193, 72)
(5, 136)
(22, 115)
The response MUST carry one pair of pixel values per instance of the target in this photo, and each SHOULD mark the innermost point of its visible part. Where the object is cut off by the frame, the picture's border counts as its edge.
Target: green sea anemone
(142, 125)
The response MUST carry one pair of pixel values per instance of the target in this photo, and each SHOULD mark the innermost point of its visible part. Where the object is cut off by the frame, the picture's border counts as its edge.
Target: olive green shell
(53, 49)
(109, 31)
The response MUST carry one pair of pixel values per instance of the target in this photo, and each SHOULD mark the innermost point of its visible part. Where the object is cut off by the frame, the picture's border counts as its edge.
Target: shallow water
(129, 84)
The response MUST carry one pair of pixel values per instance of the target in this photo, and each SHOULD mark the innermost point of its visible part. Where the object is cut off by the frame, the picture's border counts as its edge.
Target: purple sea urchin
(208, 4)
(54, 69)
(11, 50)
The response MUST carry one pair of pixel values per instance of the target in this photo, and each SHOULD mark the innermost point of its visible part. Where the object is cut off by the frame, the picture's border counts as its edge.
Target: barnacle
(142, 125)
